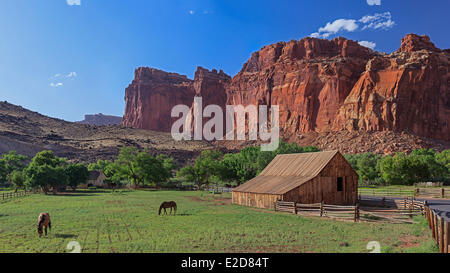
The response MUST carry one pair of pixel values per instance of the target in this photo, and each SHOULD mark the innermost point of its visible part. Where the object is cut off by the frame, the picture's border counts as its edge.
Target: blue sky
(67, 58)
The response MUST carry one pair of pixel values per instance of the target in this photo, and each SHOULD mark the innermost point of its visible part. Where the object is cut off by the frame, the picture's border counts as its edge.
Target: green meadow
(127, 221)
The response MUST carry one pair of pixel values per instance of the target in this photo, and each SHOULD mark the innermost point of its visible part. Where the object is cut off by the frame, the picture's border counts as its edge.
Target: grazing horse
(166, 205)
(44, 221)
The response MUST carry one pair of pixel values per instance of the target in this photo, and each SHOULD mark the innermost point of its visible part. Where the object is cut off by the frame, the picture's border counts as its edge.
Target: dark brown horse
(166, 205)
(44, 222)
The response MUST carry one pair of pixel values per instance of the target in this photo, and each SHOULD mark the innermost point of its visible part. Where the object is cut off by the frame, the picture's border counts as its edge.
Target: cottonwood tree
(76, 174)
(11, 162)
(18, 180)
(46, 171)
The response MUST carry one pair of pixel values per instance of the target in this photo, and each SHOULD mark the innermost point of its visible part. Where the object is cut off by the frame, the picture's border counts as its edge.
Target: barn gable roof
(288, 171)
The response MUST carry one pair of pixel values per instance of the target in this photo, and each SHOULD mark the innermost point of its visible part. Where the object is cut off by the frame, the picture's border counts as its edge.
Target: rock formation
(319, 85)
(100, 119)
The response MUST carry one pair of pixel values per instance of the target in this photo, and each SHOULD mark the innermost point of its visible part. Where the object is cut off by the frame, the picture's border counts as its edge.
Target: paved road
(440, 206)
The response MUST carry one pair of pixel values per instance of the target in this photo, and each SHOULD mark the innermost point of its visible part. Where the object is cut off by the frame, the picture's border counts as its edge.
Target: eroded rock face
(151, 96)
(407, 90)
(309, 80)
(319, 85)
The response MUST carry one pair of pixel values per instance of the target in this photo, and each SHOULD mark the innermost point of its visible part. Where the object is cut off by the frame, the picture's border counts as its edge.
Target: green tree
(11, 162)
(46, 171)
(429, 158)
(403, 169)
(114, 174)
(368, 168)
(76, 174)
(205, 167)
(18, 179)
(100, 165)
(128, 165)
(443, 159)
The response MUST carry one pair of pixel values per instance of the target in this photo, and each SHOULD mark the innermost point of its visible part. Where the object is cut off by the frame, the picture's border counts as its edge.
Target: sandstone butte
(319, 85)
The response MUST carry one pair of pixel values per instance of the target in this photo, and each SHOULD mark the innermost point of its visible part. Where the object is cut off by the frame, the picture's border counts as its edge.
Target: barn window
(340, 184)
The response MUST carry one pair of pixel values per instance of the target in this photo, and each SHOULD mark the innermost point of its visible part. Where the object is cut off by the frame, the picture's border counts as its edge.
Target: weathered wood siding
(259, 200)
(324, 186)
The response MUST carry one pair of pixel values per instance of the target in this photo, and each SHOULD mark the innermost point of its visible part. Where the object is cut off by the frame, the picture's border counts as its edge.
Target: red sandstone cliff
(151, 96)
(320, 86)
(407, 90)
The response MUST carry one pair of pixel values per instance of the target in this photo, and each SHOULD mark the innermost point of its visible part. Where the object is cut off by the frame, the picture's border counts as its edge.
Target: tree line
(420, 165)
(232, 169)
(49, 172)
(211, 168)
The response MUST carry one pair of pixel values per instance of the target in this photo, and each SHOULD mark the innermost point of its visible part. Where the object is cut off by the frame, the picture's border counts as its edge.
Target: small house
(96, 179)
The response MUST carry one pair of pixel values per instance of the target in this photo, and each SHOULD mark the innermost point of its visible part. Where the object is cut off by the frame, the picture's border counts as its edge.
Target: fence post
(442, 193)
(321, 209)
(447, 236)
(433, 234)
(436, 227)
(441, 234)
(356, 212)
(383, 201)
(416, 193)
(295, 207)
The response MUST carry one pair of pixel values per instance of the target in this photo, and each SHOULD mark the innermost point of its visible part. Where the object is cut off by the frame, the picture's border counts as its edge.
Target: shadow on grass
(65, 236)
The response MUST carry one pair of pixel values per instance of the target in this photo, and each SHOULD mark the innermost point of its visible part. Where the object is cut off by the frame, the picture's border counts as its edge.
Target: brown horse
(44, 221)
(166, 205)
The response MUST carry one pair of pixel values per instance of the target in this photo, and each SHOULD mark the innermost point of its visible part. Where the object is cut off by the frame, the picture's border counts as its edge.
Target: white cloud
(73, 2)
(335, 27)
(368, 44)
(72, 75)
(375, 21)
(378, 20)
(374, 2)
(58, 84)
(191, 12)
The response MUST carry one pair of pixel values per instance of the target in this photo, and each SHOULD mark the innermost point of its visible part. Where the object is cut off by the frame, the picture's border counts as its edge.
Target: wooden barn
(303, 178)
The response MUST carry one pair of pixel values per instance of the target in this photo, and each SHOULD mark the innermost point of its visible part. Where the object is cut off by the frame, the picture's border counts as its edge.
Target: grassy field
(127, 221)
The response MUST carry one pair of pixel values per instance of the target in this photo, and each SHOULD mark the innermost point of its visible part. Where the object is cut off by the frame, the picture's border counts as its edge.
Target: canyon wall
(319, 85)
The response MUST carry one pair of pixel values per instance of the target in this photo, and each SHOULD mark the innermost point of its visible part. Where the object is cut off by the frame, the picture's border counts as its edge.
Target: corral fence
(440, 229)
(416, 192)
(391, 210)
(320, 209)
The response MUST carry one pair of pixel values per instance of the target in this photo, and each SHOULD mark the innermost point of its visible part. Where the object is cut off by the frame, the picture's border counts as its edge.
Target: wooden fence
(440, 229)
(9, 195)
(391, 210)
(320, 209)
(416, 192)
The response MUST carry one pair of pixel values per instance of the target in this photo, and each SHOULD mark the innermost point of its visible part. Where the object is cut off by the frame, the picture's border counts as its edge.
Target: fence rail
(440, 229)
(319, 209)
(396, 211)
(416, 192)
(9, 195)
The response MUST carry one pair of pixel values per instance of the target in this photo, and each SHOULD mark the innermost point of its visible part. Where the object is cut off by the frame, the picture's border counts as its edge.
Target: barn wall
(324, 186)
(259, 200)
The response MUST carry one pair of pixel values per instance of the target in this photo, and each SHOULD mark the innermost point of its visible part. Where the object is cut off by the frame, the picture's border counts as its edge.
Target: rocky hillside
(100, 119)
(29, 132)
(321, 86)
